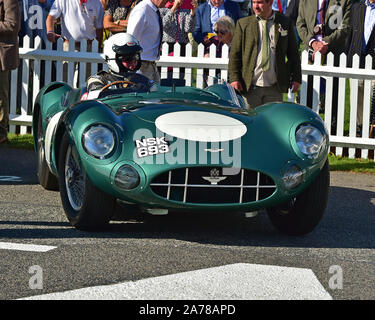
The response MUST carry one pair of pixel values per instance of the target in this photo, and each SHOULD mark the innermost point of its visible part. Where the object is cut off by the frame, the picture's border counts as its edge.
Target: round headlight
(309, 140)
(98, 141)
(127, 177)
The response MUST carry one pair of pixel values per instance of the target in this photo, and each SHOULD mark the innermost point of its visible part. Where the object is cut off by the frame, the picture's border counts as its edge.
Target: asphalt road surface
(195, 256)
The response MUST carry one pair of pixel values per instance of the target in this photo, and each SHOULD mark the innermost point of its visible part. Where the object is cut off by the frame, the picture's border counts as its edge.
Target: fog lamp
(127, 177)
(292, 177)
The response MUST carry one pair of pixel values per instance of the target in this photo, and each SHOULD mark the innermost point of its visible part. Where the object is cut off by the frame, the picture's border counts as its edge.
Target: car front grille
(213, 185)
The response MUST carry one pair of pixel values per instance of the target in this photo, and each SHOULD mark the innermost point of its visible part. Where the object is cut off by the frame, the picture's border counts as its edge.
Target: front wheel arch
(36, 112)
(60, 131)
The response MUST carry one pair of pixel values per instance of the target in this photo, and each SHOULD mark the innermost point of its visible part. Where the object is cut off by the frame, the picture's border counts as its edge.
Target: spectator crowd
(264, 36)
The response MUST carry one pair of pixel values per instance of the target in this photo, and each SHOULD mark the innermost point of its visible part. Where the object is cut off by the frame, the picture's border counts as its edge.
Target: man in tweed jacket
(246, 73)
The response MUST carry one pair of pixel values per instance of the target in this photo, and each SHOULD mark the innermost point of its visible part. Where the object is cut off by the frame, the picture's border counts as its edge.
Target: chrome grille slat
(241, 190)
(184, 185)
(169, 184)
(257, 192)
(209, 185)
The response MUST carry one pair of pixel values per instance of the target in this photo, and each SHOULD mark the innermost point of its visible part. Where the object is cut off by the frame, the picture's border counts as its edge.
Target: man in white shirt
(80, 19)
(145, 25)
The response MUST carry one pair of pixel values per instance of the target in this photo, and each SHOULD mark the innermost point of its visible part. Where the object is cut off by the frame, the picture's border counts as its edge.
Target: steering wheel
(116, 83)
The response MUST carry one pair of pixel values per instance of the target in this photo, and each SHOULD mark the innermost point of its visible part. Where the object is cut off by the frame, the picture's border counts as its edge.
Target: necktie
(280, 6)
(83, 1)
(265, 64)
(161, 30)
(323, 10)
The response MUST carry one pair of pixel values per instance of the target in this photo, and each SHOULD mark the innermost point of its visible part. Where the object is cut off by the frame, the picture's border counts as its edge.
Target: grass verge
(336, 163)
(351, 165)
(24, 141)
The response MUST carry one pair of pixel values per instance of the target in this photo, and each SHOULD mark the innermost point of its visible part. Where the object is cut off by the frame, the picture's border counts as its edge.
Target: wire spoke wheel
(74, 181)
(86, 206)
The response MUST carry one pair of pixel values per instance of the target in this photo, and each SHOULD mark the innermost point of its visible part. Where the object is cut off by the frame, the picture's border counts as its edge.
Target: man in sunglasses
(208, 13)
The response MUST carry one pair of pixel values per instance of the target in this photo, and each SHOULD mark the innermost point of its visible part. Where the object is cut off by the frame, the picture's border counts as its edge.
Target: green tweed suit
(337, 23)
(244, 51)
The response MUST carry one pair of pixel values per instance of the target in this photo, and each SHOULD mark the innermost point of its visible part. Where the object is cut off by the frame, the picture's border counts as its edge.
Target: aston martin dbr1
(177, 148)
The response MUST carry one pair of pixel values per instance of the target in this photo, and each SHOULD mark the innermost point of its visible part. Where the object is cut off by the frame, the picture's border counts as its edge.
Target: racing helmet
(122, 52)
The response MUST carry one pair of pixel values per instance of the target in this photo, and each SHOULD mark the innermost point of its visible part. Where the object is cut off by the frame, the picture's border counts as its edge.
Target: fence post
(316, 84)
(367, 93)
(188, 71)
(353, 105)
(328, 96)
(25, 83)
(200, 81)
(164, 53)
(303, 92)
(341, 105)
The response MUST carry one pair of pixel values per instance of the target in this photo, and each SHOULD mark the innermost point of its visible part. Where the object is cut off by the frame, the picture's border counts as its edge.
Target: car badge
(214, 177)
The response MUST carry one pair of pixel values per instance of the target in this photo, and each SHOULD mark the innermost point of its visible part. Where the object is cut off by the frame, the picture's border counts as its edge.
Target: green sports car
(177, 148)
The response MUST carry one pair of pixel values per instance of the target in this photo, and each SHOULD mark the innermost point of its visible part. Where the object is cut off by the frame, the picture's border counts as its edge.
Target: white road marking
(25, 247)
(10, 179)
(237, 281)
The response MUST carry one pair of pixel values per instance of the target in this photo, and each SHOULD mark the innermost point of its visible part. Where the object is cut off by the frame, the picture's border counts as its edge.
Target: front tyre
(301, 215)
(86, 207)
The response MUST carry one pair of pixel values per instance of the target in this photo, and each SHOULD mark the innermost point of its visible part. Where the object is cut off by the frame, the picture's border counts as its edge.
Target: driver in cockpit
(122, 54)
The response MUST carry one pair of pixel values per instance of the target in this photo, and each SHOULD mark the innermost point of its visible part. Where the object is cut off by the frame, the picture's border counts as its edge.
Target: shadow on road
(18, 167)
(348, 223)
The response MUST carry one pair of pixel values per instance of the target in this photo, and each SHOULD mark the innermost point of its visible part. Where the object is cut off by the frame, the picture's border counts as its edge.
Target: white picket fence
(328, 71)
(33, 75)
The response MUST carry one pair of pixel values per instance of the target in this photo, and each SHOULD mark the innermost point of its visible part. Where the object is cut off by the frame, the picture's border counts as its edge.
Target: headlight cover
(98, 141)
(292, 176)
(310, 140)
(127, 177)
